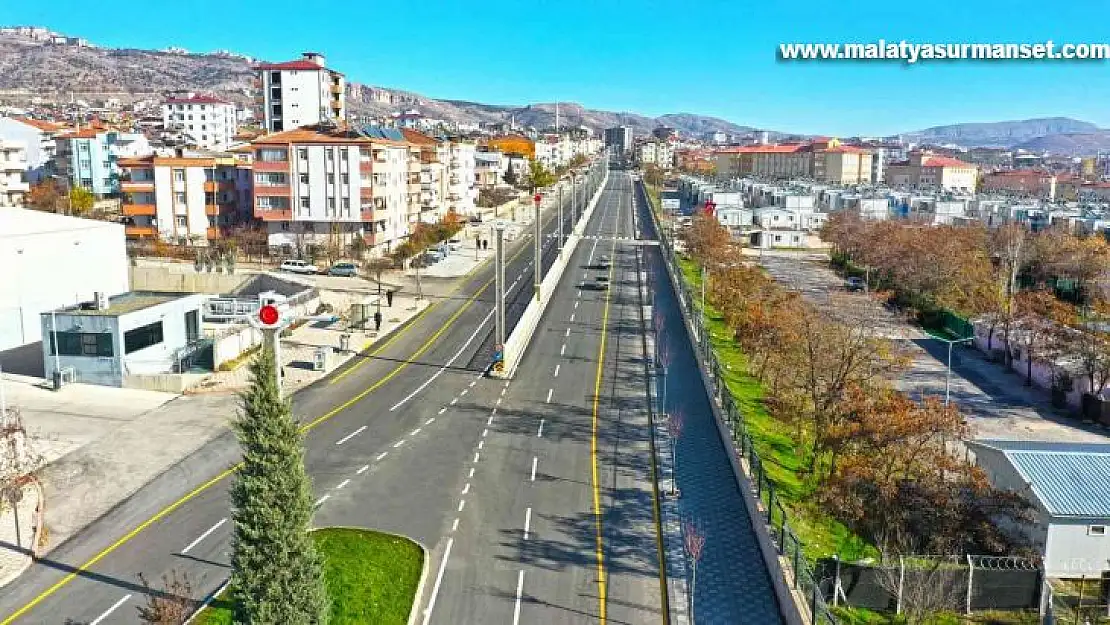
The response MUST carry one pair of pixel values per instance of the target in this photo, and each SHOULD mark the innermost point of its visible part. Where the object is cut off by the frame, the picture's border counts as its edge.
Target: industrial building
(50, 261)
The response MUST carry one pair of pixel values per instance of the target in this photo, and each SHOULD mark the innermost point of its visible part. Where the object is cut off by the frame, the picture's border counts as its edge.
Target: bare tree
(675, 424)
(18, 463)
(693, 539)
(172, 604)
(921, 585)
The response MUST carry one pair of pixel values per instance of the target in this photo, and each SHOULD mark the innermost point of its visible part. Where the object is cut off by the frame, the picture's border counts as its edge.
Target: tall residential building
(446, 177)
(843, 164)
(87, 159)
(619, 137)
(187, 198)
(462, 194)
(489, 169)
(38, 136)
(209, 123)
(13, 164)
(300, 93)
(322, 184)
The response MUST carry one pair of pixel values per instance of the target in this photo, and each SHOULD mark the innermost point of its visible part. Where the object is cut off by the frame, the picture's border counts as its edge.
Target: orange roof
(417, 138)
(847, 149)
(944, 161)
(788, 148)
(41, 124)
(310, 134)
(84, 133)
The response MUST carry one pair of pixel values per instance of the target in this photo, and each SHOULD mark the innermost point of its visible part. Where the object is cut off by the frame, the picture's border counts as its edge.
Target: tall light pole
(948, 368)
(560, 219)
(539, 250)
(499, 278)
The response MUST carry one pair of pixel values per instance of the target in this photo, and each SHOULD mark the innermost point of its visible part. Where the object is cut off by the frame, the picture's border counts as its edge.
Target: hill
(1005, 134)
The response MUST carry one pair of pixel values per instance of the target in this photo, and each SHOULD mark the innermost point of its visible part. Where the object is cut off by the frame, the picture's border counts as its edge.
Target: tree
(81, 200)
(707, 240)
(578, 161)
(18, 464)
(1039, 317)
(510, 177)
(277, 574)
(45, 196)
(172, 604)
(538, 176)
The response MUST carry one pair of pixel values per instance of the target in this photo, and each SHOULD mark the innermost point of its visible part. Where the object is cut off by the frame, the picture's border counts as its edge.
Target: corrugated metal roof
(1070, 479)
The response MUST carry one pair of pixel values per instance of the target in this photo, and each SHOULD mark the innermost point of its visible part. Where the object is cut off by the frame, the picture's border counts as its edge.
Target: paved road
(555, 506)
(996, 403)
(387, 435)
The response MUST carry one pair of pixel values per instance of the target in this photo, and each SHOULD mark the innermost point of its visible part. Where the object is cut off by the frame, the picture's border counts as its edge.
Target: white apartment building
(38, 136)
(13, 164)
(321, 185)
(462, 192)
(300, 93)
(659, 153)
(206, 122)
(489, 169)
(187, 198)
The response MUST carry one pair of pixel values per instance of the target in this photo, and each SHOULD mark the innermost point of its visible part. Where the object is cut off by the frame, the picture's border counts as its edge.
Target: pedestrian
(389, 299)
(485, 244)
(377, 320)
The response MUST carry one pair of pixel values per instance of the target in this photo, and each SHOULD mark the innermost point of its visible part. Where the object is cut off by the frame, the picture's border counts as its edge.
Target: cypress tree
(277, 575)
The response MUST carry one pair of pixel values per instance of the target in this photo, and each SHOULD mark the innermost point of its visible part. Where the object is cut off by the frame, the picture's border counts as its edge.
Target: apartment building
(206, 122)
(765, 161)
(924, 169)
(658, 153)
(489, 169)
(189, 198)
(1024, 182)
(87, 159)
(427, 178)
(13, 164)
(619, 138)
(321, 185)
(300, 93)
(38, 136)
(462, 192)
(843, 164)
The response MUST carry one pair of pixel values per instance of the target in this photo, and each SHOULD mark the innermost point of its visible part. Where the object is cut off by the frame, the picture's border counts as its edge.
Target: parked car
(299, 266)
(343, 269)
(855, 283)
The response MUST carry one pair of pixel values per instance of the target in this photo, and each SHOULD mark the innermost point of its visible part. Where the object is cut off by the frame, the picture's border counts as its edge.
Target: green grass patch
(784, 460)
(371, 578)
(861, 616)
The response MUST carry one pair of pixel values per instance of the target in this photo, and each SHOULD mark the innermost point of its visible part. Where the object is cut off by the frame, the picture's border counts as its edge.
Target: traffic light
(269, 317)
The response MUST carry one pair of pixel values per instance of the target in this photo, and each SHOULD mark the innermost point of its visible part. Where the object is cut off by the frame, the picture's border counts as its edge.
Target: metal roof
(377, 132)
(1069, 479)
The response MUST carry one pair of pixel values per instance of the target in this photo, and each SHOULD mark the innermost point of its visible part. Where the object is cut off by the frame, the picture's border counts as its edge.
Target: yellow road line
(203, 487)
(602, 583)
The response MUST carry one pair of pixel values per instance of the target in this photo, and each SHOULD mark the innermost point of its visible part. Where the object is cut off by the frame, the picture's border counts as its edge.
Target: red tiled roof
(84, 133)
(41, 124)
(197, 99)
(417, 138)
(944, 161)
(847, 149)
(294, 65)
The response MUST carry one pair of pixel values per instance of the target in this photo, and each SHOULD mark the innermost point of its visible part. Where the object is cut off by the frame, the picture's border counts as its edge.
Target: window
(330, 155)
(272, 155)
(302, 153)
(190, 119)
(142, 337)
(331, 203)
(344, 178)
(270, 179)
(179, 198)
(1096, 530)
(181, 223)
(82, 344)
(346, 204)
(304, 178)
(304, 203)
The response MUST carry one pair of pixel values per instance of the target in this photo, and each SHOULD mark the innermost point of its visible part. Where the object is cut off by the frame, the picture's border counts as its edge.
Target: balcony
(415, 187)
(212, 186)
(273, 214)
(140, 231)
(276, 190)
(133, 210)
(366, 192)
(271, 166)
(336, 89)
(137, 186)
(365, 166)
(214, 233)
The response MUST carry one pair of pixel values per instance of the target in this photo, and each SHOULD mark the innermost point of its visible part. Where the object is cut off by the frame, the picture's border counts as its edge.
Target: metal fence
(803, 578)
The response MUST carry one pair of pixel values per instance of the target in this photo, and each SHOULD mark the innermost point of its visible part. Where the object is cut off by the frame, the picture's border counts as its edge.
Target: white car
(299, 266)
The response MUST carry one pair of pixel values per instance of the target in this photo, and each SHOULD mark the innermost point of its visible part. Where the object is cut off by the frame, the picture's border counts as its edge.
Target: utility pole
(499, 279)
(560, 220)
(539, 246)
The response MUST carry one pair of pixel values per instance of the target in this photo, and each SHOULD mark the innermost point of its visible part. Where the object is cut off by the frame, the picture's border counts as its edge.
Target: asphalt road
(386, 443)
(554, 521)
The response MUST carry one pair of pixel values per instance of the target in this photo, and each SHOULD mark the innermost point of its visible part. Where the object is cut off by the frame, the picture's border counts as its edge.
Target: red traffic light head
(269, 315)
(538, 198)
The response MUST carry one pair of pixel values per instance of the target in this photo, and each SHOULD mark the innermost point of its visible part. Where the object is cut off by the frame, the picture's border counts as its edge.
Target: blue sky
(650, 57)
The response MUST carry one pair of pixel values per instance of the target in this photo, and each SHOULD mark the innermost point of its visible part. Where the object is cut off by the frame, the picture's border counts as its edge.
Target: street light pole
(948, 369)
(560, 219)
(538, 247)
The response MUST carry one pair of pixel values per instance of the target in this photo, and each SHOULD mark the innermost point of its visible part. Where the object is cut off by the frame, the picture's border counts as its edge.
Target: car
(855, 283)
(602, 282)
(343, 269)
(603, 262)
(298, 266)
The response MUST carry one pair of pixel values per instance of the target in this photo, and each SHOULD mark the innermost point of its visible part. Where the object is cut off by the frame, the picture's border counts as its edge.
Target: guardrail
(792, 563)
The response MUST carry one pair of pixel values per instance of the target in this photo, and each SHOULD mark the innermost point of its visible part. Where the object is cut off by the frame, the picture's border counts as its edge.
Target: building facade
(85, 157)
(300, 93)
(323, 185)
(1029, 183)
(13, 166)
(38, 137)
(207, 122)
(619, 138)
(489, 169)
(187, 198)
(924, 169)
(844, 164)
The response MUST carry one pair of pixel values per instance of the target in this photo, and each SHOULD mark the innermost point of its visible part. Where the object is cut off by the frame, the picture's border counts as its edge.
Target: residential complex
(89, 157)
(324, 185)
(926, 170)
(490, 168)
(187, 198)
(13, 164)
(206, 122)
(655, 152)
(300, 93)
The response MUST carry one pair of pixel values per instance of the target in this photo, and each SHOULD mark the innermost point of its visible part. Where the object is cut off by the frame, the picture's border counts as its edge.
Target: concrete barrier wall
(164, 382)
(521, 336)
(166, 278)
(229, 345)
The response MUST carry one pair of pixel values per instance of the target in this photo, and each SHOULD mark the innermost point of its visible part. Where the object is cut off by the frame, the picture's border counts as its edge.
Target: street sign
(268, 316)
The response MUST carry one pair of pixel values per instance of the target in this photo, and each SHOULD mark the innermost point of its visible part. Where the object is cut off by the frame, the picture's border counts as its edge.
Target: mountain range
(32, 66)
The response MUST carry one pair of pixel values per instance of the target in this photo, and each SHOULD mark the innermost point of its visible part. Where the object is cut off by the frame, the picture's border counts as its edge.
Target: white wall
(1072, 551)
(46, 271)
